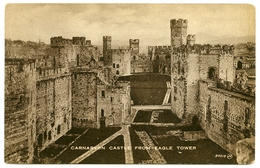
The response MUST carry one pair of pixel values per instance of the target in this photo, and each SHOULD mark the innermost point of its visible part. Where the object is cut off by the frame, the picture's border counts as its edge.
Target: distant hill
(202, 38)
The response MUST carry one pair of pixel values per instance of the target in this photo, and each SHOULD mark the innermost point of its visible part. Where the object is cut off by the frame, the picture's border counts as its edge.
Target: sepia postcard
(129, 84)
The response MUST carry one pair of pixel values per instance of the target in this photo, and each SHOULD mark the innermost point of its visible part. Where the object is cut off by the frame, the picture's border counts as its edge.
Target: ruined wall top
(179, 23)
(107, 38)
(60, 41)
(134, 41)
(18, 61)
(191, 37)
(79, 40)
(206, 49)
(159, 48)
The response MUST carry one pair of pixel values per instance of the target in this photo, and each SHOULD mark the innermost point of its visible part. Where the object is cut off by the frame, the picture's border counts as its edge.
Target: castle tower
(178, 32)
(185, 72)
(107, 50)
(191, 39)
(134, 48)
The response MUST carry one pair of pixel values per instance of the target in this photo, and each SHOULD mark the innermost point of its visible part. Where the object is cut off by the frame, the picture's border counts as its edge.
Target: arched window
(212, 73)
(225, 105)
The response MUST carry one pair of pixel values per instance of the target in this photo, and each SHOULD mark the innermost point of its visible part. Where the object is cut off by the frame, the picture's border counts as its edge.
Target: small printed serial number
(228, 156)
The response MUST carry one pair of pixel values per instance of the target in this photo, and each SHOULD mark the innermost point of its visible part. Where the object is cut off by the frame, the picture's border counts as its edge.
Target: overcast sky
(149, 23)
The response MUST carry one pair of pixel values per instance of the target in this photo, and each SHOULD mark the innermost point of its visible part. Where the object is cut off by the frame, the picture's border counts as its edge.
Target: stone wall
(185, 76)
(226, 67)
(113, 102)
(206, 62)
(227, 117)
(53, 109)
(84, 99)
(121, 62)
(141, 66)
(161, 58)
(20, 92)
(192, 77)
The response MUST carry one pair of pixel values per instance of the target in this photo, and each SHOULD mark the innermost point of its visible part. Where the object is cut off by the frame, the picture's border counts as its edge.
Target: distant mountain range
(202, 38)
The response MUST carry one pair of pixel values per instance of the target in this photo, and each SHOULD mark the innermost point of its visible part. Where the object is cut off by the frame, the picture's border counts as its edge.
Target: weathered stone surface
(245, 151)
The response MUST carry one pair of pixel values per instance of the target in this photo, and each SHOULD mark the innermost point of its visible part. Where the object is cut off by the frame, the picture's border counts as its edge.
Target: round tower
(178, 32)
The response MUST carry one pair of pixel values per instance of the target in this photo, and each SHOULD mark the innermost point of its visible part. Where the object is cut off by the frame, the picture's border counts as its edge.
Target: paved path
(127, 142)
(155, 155)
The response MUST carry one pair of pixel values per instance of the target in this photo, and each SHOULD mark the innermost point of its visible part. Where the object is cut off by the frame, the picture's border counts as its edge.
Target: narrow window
(117, 72)
(117, 65)
(226, 105)
(49, 135)
(103, 93)
(111, 98)
(179, 67)
(225, 120)
(102, 113)
(39, 140)
(77, 59)
(58, 129)
(175, 89)
(45, 135)
(247, 116)
(114, 65)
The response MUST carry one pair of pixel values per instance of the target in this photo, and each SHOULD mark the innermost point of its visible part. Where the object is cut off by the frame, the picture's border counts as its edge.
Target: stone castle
(75, 85)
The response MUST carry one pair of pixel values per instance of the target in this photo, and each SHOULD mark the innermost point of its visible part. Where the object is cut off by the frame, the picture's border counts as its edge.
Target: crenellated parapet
(88, 42)
(134, 41)
(179, 23)
(206, 49)
(79, 40)
(107, 38)
(159, 48)
(60, 41)
(120, 50)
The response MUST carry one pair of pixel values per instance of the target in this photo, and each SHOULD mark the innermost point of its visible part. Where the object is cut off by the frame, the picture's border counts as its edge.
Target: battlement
(159, 48)
(206, 49)
(134, 41)
(107, 38)
(179, 23)
(79, 40)
(120, 50)
(60, 41)
(46, 73)
(88, 42)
